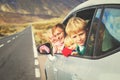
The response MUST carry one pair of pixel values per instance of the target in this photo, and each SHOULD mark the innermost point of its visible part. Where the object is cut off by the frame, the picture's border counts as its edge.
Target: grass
(40, 29)
(9, 29)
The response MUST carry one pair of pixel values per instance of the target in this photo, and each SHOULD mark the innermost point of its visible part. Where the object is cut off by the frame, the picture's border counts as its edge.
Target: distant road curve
(18, 57)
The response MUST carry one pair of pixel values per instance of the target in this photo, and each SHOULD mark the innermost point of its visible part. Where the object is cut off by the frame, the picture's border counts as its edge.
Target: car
(102, 55)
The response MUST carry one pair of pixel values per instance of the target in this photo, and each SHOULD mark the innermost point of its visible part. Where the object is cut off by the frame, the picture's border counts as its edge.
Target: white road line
(13, 38)
(8, 41)
(37, 73)
(37, 70)
(36, 62)
(1, 45)
(34, 47)
(35, 52)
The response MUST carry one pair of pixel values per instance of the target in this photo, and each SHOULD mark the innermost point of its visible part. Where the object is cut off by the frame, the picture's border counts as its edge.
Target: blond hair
(68, 41)
(74, 25)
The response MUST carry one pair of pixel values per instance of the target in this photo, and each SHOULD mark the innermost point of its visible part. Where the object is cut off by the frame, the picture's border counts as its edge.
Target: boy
(76, 29)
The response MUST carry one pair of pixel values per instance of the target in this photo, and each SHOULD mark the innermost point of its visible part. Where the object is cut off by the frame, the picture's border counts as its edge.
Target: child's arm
(74, 53)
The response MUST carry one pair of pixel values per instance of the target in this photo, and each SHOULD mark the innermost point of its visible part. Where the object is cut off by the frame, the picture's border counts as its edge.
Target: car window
(109, 38)
(91, 38)
(87, 15)
(111, 18)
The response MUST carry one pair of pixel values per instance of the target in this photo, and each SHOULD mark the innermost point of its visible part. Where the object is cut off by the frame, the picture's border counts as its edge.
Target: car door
(59, 67)
(102, 56)
(100, 61)
(72, 67)
(106, 55)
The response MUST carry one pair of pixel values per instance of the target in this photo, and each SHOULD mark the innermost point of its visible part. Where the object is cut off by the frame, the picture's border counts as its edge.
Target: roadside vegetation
(40, 29)
(9, 29)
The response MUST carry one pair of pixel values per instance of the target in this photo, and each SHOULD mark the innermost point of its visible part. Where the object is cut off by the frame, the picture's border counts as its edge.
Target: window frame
(75, 14)
(115, 50)
(96, 7)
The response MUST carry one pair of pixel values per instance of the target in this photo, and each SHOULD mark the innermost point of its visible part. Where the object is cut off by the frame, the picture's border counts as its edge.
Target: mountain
(48, 7)
(40, 8)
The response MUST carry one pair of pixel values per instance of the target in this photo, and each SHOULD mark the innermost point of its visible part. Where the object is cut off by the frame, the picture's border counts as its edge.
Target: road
(18, 59)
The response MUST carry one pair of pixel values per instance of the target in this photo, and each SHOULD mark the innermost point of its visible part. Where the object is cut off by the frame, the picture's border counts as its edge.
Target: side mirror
(45, 49)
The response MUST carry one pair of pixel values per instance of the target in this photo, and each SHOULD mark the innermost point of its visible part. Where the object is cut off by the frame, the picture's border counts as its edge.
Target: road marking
(34, 47)
(13, 38)
(37, 73)
(8, 41)
(1, 45)
(35, 52)
(36, 62)
(37, 70)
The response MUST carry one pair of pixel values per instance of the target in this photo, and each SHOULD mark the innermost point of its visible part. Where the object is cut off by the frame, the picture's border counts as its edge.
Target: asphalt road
(18, 60)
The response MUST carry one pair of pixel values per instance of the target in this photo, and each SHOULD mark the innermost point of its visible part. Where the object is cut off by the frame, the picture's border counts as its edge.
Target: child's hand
(44, 49)
(74, 53)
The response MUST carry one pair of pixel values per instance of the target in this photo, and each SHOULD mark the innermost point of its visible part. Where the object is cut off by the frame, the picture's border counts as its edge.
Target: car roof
(94, 3)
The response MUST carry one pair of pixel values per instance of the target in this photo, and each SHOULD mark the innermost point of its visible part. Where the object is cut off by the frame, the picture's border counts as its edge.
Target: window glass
(109, 32)
(91, 40)
(111, 19)
(98, 13)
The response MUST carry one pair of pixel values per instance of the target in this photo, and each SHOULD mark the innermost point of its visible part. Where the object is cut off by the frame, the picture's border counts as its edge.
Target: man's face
(79, 37)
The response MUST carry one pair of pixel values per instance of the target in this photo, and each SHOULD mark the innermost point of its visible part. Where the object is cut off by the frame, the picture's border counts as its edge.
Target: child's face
(72, 46)
(79, 37)
(59, 34)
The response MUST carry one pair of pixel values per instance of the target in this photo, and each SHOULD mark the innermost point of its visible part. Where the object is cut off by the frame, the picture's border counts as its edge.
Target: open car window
(87, 15)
